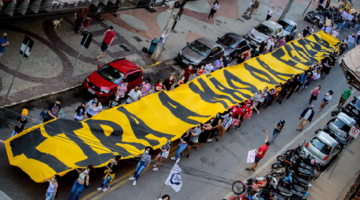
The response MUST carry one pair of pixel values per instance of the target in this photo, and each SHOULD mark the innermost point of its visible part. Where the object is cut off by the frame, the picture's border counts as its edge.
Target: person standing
(169, 82)
(325, 100)
(335, 33)
(306, 117)
(158, 86)
(121, 89)
(109, 174)
(306, 31)
(278, 128)
(178, 17)
(114, 101)
(85, 25)
(165, 197)
(146, 87)
(314, 93)
(207, 129)
(270, 45)
(53, 111)
(164, 153)
(134, 95)
(313, 29)
(227, 60)
(254, 7)
(79, 112)
(3, 43)
(53, 187)
(260, 153)
(249, 7)
(79, 18)
(187, 72)
(181, 147)
(20, 124)
(208, 68)
(295, 84)
(108, 39)
(281, 42)
(79, 185)
(344, 96)
(218, 64)
(143, 164)
(215, 6)
(94, 108)
(270, 13)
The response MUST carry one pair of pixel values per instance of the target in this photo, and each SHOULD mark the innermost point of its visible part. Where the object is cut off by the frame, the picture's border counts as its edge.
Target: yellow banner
(61, 145)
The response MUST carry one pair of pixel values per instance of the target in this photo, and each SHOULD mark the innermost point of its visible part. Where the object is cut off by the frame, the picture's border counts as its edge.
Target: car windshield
(357, 103)
(199, 48)
(111, 74)
(264, 29)
(341, 125)
(228, 41)
(287, 27)
(321, 146)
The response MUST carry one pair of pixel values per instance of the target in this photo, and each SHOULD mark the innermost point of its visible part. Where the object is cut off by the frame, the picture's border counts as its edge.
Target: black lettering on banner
(289, 48)
(254, 72)
(279, 53)
(322, 43)
(305, 54)
(27, 143)
(141, 130)
(226, 90)
(248, 86)
(304, 44)
(273, 72)
(180, 111)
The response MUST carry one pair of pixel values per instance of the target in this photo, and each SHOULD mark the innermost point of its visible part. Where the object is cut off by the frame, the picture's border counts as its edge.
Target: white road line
(286, 147)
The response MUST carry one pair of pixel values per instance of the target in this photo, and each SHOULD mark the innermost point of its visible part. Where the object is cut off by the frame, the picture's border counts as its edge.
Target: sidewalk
(342, 177)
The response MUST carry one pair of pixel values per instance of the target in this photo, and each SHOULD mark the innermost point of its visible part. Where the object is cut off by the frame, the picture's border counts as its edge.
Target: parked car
(103, 82)
(264, 31)
(352, 109)
(200, 52)
(289, 27)
(339, 128)
(233, 44)
(323, 148)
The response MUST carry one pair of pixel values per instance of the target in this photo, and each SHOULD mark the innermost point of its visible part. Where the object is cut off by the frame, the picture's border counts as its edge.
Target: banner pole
(161, 191)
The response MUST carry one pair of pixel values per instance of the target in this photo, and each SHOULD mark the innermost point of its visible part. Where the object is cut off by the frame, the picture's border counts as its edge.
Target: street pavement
(223, 161)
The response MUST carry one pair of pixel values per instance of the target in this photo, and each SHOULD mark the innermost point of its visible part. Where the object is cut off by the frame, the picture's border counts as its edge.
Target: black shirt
(262, 47)
(113, 167)
(226, 61)
(114, 102)
(279, 126)
(305, 32)
(20, 124)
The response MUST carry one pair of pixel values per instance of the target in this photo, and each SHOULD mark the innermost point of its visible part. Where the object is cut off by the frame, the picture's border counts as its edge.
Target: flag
(174, 180)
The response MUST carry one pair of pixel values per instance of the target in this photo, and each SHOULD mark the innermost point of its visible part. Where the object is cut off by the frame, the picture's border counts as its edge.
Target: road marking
(95, 195)
(231, 194)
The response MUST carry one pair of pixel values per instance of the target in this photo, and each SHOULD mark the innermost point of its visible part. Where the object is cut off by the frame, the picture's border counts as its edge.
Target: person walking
(314, 93)
(306, 117)
(164, 153)
(79, 18)
(53, 111)
(79, 112)
(270, 13)
(249, 7)
(84, 25)
(4, 41)
(79, 185)
(109, 174)
(181, 147)
(260, 153)
(94, 108)
(20, 124)
(108, 39)
(278, 128)
(215, 6)
(344, 97)
(325, 100)
(178, 18)
(134, 94)
(143, 164)
(254, 7)
(53, 187)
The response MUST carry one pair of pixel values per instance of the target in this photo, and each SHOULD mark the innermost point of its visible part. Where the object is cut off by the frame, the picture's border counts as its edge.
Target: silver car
(339, 127)
(289, 27)
(264, 31)
(323, 148)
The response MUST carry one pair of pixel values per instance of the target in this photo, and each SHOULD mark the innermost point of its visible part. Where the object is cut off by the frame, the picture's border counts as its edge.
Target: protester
(218, 64)
(227, 60)
(20, 124)
(159, 86)
(180, 82)
(182, 145)
(344, 97)
(254, 7)
(84, 25)
(260, 153)
(195, 135)
(164, 153)
(295, 83)
(270, 13)
(313, 29)
(249, 7)
(94, 108)
(277, 130)
(143, 164)
(236, 110)
(79, 17)
(169, 82)
(256, 51)
(187, 139)
(121, 89)
(207, 129)
(79, 185)
(134, 94)
(306, 117)
(53, 111)
(109, 174)
(270, 45)
(281, 42)
(326, 100)
(3, 43)
(146, 87)
(215, 124)
(108, 39)
(215, 6)
(208, 68)
(269, 98)
(80, 112)
(200, 70)
(306, 31)
(225, 125)
(314, 93)
(165, 197)
(53, 187)
(187, 72)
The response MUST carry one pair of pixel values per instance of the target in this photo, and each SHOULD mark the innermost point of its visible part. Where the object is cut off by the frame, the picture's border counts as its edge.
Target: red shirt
(263, 149)
(109, 36)
(246, 55)
(158, 87)
(245, 110)
(188, 72)
(236, 111)
(86, 23)
(168, 84)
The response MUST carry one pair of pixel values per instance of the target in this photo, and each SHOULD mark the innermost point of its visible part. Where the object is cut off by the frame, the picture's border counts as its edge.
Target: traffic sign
(26, 46)
(354, 132)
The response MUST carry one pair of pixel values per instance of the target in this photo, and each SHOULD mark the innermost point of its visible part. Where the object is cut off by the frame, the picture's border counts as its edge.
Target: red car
(103, 82)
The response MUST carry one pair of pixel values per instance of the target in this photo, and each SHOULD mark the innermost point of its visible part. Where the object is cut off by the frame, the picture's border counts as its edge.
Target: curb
(3, 196)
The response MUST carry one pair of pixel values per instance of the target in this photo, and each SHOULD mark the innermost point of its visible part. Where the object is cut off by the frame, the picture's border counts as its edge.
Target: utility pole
(166, 30)
(286, 10)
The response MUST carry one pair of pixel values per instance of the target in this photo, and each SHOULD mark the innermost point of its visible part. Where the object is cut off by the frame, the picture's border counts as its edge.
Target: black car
(352, 109)
(233, 44)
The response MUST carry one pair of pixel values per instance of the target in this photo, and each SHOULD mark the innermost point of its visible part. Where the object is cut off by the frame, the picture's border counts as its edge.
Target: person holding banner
(109, 174)
(143, 164)
(81, 182)
(260, 153)
(164, 153)
(182, 146)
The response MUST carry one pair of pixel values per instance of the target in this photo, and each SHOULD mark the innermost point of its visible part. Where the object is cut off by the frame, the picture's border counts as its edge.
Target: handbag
(43, 114)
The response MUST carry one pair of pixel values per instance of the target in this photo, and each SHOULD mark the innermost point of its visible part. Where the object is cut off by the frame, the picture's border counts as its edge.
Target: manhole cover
(137, 39)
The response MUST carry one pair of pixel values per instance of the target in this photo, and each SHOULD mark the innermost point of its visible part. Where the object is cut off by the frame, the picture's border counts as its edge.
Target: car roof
(207, 42)
(348, 120)
(326, 138)
(235, 36)
(123, 65)
(291, 22)
(271, 24)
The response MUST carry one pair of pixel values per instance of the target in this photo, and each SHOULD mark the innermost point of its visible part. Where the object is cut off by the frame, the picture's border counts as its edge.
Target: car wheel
(334, 113)
(317, 131)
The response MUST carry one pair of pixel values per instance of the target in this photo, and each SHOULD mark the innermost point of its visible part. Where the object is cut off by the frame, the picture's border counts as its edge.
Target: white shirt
(135, 95)
(270, 12)
(312, 30)
(307, 114)
(269, 44)
(257, 96)
(216, 6)
(328, 29)
(93, 110)
(335, 33)
(328, 96)
(228, 120)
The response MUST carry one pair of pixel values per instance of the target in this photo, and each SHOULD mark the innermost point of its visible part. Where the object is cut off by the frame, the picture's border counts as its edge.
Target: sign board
(345, 14)
(251, 156)
(350, 17)
(328, 22)
(86, 40)
(26, 44)
(354, 132)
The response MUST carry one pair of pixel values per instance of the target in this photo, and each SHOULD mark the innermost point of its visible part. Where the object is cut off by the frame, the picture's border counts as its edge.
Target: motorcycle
(313, 17)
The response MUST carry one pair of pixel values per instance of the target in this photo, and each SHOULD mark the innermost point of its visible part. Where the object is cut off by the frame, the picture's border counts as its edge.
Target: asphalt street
(207, 173)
